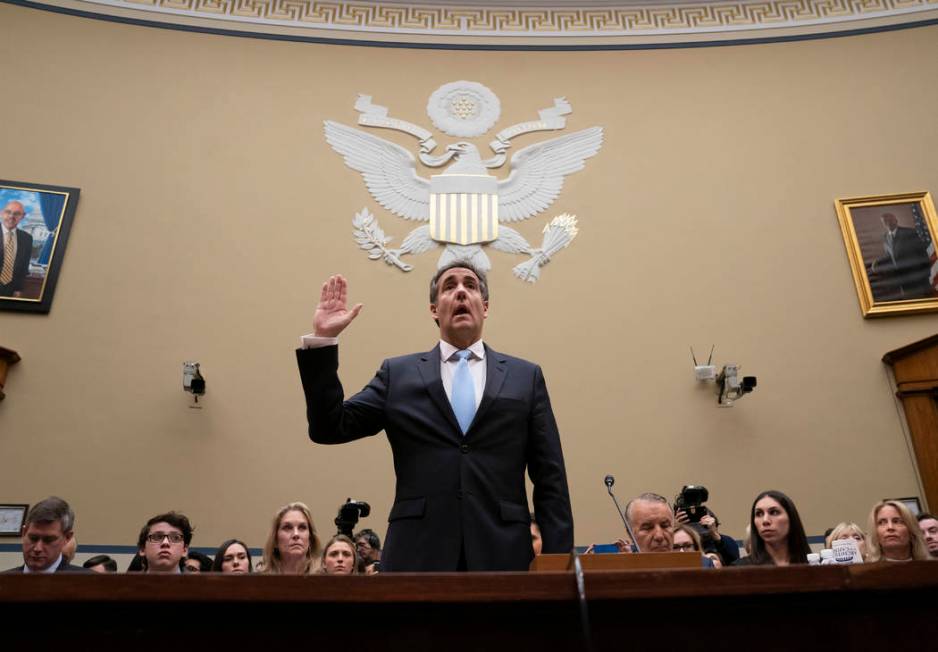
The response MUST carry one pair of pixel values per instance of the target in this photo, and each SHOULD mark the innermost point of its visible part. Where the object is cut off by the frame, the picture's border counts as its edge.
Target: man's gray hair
(647, 497)
(459, 264)
(52, 509)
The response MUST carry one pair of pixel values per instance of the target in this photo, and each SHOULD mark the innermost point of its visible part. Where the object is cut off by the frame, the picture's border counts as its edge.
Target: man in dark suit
(48, 527)
(463, 421)
(904, 268)
(15, 250)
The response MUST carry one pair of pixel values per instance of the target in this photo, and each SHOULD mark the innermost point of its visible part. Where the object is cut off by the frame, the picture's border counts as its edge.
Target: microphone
(609, 480)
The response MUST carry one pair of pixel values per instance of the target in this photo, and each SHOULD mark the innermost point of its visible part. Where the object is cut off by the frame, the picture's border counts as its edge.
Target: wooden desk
(889, 606)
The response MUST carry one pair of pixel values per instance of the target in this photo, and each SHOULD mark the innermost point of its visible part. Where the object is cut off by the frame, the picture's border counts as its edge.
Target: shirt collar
(51, 569)
(447, 350)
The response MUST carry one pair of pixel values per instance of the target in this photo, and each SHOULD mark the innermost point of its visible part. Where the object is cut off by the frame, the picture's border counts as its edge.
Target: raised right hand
(332, 313)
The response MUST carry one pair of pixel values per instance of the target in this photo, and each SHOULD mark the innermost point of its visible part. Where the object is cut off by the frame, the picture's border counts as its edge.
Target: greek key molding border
(447, 20)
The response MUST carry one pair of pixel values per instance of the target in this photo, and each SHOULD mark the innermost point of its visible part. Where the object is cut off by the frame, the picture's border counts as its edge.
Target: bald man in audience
(929, 525)
(47, 530)
(652, 521)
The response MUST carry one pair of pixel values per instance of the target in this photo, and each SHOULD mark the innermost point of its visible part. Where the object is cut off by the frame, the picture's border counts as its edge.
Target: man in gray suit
(464, 423)
(16, 248)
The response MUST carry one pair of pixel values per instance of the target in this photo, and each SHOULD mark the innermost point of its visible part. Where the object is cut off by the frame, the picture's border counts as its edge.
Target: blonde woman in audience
(292, 546)
(894, 534)
(339, 557)
(847, 531)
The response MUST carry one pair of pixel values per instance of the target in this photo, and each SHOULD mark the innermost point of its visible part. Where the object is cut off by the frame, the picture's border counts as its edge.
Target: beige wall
(212, 208)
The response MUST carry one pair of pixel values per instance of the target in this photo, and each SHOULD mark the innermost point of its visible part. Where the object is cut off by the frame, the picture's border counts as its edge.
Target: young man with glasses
(164, 542)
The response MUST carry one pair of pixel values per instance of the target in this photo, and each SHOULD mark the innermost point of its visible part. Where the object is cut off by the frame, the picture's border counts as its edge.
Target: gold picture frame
(891, 241)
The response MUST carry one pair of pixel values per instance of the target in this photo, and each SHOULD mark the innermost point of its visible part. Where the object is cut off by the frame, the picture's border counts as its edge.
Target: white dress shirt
(448, 362)
(54, 567)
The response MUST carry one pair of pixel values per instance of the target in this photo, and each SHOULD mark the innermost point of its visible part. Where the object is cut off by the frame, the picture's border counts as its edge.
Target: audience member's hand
(332, 313)
(371, 569)
(623, 545)
(590, 549)
(681, 516)
(710, 523)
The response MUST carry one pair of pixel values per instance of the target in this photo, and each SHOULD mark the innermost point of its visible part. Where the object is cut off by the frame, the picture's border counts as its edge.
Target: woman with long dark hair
(776, 535)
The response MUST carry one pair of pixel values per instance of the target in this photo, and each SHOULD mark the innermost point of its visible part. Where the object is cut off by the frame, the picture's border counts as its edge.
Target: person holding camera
(689, 509)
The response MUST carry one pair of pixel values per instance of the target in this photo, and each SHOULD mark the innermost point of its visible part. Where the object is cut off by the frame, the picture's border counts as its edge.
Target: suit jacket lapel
(495, 373)
(429, 368)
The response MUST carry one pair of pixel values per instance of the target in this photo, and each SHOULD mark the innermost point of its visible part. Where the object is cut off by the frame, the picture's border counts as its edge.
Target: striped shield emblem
(463, 208)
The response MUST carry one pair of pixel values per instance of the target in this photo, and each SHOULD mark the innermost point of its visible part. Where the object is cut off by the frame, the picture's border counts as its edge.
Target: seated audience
(713, 544)
(69, 549)
(929, 525)
(894, 534)
(339, 557)
(136, 564)
(164, 542)
(48, 528)
(847, 531)
(368, 546)
(292, 546)
(196, 562)
(101, 564)
(686, 539)
(776, 534)
(652, 522)
(233, 556)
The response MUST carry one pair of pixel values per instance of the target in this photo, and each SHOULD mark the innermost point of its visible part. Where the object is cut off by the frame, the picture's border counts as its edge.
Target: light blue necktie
(464, 391)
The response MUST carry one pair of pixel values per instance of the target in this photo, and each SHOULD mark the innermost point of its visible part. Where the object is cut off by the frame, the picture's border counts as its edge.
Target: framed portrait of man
(890, 242)
(35, 220)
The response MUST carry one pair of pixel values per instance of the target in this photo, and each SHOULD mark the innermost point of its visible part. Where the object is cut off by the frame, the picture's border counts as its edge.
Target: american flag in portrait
(921, 228)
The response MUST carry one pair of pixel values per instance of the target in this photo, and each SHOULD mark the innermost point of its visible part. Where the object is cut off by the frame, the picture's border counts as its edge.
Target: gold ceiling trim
(649, 19)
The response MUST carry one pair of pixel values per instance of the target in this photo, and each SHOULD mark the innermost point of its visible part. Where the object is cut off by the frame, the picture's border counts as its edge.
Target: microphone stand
(609, 480)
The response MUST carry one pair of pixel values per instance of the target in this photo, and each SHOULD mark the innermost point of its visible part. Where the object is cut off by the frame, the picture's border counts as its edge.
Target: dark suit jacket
(24, 249)
(64, 567)
(454, 495)
(910, 273)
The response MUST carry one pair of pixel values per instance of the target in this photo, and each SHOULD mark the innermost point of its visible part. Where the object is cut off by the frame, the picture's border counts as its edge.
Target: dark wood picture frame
(7, 527)
(49, 213)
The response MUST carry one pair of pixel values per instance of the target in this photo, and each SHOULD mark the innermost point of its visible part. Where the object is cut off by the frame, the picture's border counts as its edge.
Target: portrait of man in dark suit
(16, 250)
(465, 422)
(903, 270)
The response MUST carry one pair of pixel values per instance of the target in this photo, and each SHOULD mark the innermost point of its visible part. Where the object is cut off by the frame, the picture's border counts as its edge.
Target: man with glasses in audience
(164, 543)
(48, 528)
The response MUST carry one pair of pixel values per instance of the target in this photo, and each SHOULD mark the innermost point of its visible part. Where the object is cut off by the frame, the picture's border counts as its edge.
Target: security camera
(192, 380)
(730, 387)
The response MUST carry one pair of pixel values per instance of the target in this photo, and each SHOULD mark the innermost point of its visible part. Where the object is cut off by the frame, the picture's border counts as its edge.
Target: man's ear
(485, 309)
(436, 317)
(185, 551)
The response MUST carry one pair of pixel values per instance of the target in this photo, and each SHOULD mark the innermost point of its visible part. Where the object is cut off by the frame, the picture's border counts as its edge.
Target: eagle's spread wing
(537, 173)
(389, 170)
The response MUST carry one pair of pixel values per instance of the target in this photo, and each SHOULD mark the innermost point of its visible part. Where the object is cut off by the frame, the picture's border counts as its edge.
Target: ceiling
(552, 24)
